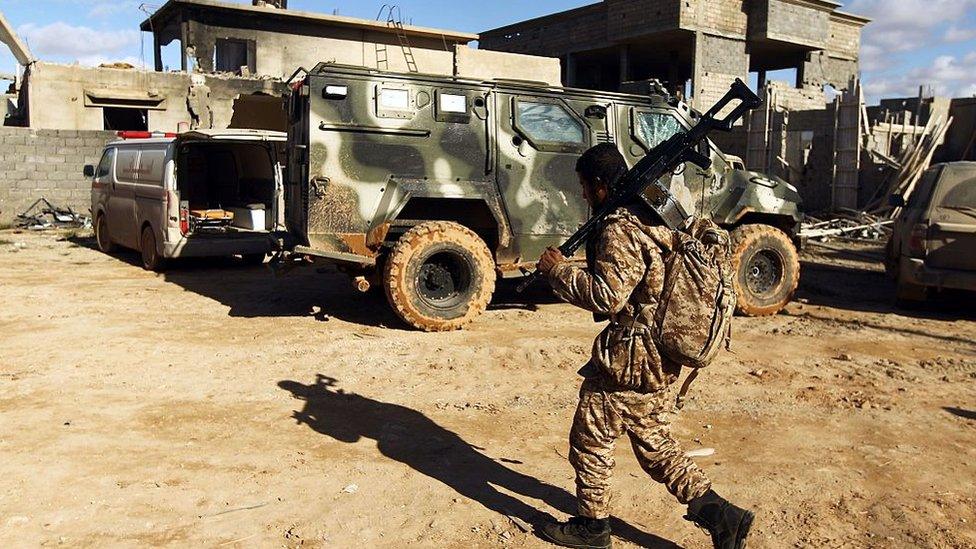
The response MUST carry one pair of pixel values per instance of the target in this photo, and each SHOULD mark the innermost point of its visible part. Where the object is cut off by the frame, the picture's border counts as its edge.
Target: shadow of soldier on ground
(410, 437)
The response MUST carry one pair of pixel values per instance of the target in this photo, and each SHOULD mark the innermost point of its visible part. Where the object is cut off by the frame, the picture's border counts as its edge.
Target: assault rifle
(643, 180)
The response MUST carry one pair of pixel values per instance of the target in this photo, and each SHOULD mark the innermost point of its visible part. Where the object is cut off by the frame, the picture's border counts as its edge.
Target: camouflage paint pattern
(626, 392)
(602, 417)
(625, 283)
(359, 161)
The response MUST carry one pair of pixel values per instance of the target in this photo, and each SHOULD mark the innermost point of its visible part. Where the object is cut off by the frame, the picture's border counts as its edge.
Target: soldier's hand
(550, 258)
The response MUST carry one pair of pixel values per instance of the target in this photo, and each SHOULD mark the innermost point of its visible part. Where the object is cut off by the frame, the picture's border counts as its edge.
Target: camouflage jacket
(624, 281)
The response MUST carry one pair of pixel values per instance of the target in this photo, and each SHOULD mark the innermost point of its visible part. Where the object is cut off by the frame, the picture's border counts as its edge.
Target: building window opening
(125, 119)
(231, 55)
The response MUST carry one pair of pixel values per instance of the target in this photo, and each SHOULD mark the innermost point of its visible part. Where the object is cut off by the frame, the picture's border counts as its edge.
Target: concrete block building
(696, 47)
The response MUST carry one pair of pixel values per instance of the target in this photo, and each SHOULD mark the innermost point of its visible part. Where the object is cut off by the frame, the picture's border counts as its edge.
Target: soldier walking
(623, 281)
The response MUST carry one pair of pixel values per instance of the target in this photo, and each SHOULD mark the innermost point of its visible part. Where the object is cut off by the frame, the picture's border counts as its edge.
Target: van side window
(452, 106)
(654, 128)
(151, 164)
(127, 167)
(549, 123)
(105, 164)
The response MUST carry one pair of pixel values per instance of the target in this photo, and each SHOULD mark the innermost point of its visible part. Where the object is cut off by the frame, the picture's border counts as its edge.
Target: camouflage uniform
(626, 392)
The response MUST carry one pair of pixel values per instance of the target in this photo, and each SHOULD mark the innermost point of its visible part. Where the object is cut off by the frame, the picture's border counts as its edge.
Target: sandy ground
(217, 406)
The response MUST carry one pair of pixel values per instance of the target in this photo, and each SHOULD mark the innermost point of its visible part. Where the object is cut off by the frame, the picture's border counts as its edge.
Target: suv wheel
(151, 260)
(439, 276)
(102, 236)
(767, 269)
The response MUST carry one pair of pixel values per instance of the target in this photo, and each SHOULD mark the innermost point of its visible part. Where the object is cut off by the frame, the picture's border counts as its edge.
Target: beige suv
(933, 245)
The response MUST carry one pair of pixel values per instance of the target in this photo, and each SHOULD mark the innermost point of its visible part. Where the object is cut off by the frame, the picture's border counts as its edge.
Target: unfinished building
(695, 47)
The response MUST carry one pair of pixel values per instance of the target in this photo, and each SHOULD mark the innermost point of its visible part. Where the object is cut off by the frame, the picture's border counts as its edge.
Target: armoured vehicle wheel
(102, 237)
(151, 260)
(439, 276)
(767, 269)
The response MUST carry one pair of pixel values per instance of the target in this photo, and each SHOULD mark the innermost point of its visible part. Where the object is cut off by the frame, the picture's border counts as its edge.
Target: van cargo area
(227, 187)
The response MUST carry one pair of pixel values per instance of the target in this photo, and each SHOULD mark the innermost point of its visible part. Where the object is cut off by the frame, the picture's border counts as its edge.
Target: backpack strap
(685, 387)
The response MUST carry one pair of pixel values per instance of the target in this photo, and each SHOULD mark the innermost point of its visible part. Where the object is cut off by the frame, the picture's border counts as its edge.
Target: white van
(201, 193)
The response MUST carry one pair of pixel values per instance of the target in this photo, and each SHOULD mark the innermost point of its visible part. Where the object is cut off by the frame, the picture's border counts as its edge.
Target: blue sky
(910, 43)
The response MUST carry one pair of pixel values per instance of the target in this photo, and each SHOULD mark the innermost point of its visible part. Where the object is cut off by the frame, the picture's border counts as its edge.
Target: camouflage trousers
(604, 416)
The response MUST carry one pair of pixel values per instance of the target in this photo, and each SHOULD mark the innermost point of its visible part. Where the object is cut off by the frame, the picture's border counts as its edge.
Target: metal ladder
(394, 19)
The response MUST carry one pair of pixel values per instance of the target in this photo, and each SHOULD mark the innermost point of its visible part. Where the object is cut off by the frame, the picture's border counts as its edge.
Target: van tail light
(184, 217)
(916, 240)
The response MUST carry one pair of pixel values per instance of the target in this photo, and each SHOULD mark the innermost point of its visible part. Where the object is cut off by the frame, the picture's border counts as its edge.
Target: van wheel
(767, 269)
(102, 236)
(151, 260)
(439, 276)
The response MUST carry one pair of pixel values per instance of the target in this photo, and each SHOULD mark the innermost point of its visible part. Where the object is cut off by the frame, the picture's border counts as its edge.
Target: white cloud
(946, 75)
(906, 25)
(68, 41)
(956, 34)
(107, 9)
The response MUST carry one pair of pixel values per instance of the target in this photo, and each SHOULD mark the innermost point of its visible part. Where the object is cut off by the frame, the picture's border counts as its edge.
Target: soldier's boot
(579, 532)
(729, 525)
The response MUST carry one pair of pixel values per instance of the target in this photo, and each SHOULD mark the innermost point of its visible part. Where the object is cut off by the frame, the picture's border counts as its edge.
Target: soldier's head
(599, 170)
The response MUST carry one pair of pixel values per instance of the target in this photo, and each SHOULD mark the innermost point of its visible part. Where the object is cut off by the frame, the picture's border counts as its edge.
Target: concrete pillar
(624, 64)
(761, 83)
(157, 53)
(570, 70)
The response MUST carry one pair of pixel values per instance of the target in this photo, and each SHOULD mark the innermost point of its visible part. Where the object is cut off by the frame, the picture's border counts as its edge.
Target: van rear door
(121, 202)
(952, 233)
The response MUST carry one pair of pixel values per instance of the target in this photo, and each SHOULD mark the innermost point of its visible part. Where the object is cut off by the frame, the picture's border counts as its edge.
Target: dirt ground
(217, 406)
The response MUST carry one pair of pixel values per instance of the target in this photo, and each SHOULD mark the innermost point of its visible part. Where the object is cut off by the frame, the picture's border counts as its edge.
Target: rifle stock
(642, 181)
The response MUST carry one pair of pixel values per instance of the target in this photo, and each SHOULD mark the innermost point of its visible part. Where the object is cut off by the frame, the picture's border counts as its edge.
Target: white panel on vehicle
(395, 99)
(453, 103)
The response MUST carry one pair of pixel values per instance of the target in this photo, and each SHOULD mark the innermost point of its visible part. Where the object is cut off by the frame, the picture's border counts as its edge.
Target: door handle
(318, 186)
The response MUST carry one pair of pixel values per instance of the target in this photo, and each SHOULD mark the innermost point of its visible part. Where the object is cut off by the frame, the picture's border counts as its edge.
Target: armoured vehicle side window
(105, 164)
(452, 106)
(393, 102)
(653, 128)
(550, 126)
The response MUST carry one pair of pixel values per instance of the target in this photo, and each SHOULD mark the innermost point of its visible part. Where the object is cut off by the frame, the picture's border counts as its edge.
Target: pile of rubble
(847, 225)
(43, 215)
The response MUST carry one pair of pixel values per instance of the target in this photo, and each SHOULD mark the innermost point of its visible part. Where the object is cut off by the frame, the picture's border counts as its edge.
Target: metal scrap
(43, 215)
(849, 225)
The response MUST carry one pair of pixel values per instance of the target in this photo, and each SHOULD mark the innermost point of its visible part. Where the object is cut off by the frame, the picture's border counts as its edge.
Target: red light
(184, 217)
(131, 134)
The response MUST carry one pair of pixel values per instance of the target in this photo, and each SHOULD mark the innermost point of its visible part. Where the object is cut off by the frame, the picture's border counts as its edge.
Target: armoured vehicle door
(539, 140)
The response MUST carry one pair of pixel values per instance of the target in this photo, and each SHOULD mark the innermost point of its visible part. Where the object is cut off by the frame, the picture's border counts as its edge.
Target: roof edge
(338, 20)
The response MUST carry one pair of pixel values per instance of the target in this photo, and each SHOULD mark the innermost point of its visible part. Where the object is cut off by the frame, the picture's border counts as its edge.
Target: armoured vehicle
(432, 187)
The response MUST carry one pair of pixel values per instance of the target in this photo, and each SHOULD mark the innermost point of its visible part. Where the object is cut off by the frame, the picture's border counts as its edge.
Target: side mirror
(896, 201)
(89, 171)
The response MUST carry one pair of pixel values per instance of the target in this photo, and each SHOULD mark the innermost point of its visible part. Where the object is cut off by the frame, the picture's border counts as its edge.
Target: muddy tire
(767, 269)
(102, 237)
(151, 260)
(439, 276)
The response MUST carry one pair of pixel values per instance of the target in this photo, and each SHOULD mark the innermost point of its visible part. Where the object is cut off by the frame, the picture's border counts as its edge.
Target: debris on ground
(43, 215)
(847, 225)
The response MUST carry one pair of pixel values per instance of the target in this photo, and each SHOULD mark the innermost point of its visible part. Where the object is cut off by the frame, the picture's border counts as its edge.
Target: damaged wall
(75, 98)
(49, 164)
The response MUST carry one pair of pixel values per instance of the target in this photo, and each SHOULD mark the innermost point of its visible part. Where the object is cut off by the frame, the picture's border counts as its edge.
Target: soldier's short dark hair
(602, 163)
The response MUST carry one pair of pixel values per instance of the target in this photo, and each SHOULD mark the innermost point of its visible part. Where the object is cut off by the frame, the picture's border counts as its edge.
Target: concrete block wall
(790, 22)
(719, 62)
(636, 18)
(49, 164)
(575, 30)
(730, 17)
(845, 38)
